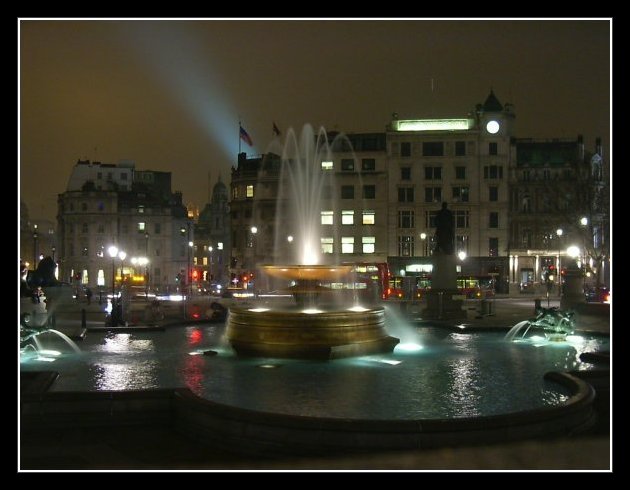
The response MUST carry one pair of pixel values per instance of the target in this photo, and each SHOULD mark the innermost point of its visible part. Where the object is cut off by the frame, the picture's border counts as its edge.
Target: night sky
(168, 94)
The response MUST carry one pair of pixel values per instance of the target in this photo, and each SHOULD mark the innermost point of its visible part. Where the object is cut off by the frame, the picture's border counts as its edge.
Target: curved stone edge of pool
(271, 434)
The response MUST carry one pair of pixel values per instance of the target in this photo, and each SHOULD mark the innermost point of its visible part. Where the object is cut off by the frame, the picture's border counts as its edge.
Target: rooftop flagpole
(239, 135)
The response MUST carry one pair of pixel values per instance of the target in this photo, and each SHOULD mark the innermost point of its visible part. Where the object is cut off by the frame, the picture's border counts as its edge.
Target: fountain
(454, 388)
(554, 323)
(318, 325)
(35, 321)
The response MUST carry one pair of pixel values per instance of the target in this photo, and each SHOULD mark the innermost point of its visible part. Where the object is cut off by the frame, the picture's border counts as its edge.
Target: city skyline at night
(169, 95)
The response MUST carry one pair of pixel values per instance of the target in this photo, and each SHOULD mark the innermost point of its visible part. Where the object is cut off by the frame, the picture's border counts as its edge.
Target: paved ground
(162, 448)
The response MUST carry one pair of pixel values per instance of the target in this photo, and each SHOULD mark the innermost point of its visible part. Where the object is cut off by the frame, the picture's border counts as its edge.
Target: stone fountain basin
(308, 333)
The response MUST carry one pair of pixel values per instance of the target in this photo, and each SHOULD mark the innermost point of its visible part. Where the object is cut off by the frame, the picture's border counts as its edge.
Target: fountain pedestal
(441, 304)
(306, 331)
(572, 289)
(298, 335)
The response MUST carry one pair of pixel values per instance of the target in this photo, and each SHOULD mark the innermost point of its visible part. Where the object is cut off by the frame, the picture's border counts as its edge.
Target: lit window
(205, 261)
(460, 194)
(368, 217)
(194, 260)
(347, 244)
(220, 246)
(347, 217)
(405, 246)
(142, 226)
(368, 244)
(327, 245)
(140, 209)
(327, 217)
(328, 165)
(249, 191)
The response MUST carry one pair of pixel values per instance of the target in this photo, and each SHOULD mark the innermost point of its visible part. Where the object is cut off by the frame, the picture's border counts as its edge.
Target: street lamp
(254, 230)
(35, 247)
(146, 254)
(559, 232)
(423, 237)
(142, 262)
(121, 256)
(210, 250)
(462, 255)
(113, 253)
(573, 251)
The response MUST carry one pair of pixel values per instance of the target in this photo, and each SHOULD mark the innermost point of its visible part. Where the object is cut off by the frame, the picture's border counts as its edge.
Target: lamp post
(190, 246)
(146, 267)
(121, 256)
(113, 253)
(254, 231)
(35, 235)
(210, 250)
(559, 232)
(423, 237)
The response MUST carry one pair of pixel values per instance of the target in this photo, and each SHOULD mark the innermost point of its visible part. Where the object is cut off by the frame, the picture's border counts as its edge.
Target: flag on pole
(245, 137)
(276, 131)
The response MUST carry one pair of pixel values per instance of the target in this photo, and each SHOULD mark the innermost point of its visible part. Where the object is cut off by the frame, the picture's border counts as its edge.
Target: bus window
(469, 286)
(395, 289)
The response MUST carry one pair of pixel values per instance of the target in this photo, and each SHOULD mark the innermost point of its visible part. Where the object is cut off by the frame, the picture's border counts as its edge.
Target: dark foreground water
(445, 374)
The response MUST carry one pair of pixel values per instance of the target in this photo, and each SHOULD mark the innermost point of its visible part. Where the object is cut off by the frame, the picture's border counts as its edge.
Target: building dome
(219, 191)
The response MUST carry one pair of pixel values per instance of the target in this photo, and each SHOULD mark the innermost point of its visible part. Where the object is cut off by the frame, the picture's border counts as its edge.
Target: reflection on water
(114, 376)
(453, 375)
(463, 386)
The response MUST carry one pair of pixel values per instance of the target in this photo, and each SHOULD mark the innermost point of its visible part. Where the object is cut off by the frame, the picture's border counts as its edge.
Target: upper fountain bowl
(307, 272)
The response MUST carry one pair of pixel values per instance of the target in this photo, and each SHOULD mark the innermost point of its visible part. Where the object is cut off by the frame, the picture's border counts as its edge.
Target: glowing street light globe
(573, 251)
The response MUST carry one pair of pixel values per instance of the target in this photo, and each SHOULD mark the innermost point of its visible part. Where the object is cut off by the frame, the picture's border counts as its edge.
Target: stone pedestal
(572, 289)
(443, 299)
(442, 306)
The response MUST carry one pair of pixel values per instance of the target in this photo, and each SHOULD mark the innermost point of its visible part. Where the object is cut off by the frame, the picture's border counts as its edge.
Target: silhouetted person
(445, 231)
(88, 295)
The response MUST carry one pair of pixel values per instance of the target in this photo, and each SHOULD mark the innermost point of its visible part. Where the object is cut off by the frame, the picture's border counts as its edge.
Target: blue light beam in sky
(173, 51)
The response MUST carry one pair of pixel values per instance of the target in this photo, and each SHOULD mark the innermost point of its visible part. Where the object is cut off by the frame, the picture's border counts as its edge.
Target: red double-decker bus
(368, 280)
(473, 287)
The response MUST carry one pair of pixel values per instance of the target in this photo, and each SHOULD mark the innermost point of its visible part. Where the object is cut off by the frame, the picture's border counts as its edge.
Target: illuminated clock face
(492, 127)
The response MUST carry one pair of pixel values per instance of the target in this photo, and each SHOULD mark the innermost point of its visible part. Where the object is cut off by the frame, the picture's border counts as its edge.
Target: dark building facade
(558, 200)
(212, 244)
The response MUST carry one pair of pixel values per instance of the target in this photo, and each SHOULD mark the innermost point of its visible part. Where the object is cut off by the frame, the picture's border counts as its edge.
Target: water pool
(446, 375)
